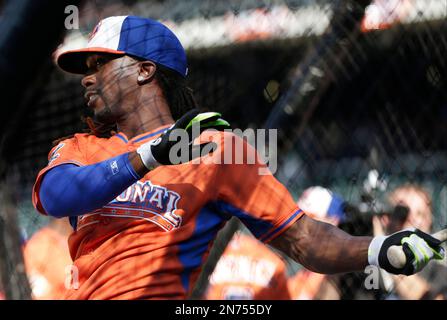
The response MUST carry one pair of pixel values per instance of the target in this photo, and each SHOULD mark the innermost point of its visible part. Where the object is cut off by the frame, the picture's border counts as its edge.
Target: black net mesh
(358, 111)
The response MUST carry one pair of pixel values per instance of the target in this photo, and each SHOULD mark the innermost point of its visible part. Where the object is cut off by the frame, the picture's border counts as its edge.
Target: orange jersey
(305, 285)
(248, 270)
(152, 239)
(46, 259)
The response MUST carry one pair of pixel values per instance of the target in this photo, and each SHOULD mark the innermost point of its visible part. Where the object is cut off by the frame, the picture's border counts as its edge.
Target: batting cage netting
(357, 91)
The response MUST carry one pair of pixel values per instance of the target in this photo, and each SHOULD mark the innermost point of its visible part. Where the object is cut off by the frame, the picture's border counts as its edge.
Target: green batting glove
(157, 152)
(419, 248)
(423, 248)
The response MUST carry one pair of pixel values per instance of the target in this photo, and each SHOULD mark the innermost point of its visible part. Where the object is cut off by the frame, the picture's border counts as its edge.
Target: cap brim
(74, 61)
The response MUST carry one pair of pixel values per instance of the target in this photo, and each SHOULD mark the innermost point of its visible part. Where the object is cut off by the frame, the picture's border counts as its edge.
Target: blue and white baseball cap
(129, 35)
(322, 203)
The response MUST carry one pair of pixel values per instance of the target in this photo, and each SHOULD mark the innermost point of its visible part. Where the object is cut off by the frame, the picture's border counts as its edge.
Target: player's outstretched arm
(323, 248)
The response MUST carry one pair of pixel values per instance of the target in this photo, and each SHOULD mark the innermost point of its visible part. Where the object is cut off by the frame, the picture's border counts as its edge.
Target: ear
(146, 72)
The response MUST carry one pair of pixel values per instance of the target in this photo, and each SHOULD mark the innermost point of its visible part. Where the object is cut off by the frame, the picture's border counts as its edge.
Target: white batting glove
(419, 249)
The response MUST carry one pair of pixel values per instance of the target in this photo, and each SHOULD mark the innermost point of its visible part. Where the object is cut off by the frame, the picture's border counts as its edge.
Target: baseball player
(47, 280)
(143, 223)
(248, 270)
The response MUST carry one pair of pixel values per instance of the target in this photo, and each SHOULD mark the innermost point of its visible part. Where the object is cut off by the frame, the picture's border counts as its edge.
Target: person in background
(412, 209)
(47, 257)
(248, 270)
(322, 205)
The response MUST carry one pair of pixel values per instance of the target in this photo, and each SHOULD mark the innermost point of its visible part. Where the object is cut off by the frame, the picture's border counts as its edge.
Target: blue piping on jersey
(150, 135)
(121, 137)
(282, 226)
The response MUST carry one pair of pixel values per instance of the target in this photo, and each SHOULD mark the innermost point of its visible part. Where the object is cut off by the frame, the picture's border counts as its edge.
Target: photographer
(411, 209)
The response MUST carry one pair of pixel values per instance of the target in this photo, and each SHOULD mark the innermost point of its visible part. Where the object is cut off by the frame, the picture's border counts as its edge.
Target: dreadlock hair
(178, 95)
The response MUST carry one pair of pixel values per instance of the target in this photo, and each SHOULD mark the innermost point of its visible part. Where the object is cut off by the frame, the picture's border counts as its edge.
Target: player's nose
(88, 80)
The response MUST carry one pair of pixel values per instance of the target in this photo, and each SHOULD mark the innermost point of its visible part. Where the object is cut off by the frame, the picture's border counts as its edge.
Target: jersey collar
(143, 136)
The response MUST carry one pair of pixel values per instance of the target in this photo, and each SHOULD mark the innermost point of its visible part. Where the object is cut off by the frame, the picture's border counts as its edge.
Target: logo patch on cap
(94, 31)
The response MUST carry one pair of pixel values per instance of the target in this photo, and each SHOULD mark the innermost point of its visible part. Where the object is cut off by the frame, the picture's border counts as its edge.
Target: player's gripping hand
(158, 152)
(419, 249)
